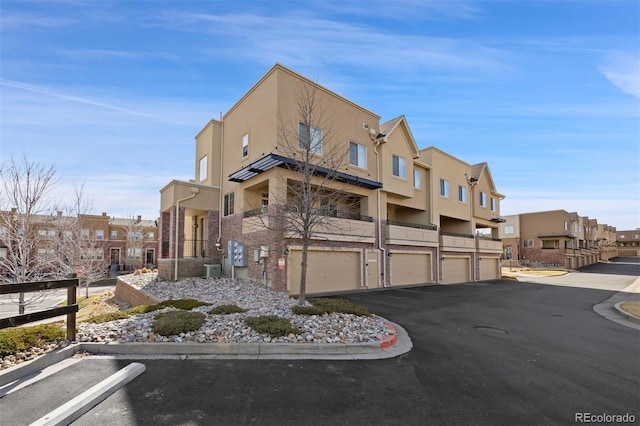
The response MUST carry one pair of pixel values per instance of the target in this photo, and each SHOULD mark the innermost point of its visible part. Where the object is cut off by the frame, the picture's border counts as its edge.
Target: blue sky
(547, 92)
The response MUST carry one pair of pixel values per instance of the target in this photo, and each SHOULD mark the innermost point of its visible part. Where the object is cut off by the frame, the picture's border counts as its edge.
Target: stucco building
(404, 215)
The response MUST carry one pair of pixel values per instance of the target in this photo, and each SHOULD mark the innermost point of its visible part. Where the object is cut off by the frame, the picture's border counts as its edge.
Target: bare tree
(316, 192)
(25, 207)
(80, 245)
(134, 231)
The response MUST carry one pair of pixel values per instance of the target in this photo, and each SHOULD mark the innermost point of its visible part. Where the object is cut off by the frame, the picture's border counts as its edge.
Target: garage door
(410, 268)
(489, 268)
(455, 270)
(326, 271)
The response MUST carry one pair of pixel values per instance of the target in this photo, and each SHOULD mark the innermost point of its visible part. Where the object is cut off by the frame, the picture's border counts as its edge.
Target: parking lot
(496, 353)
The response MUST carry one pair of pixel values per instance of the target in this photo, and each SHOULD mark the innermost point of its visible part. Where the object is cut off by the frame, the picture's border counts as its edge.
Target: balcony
(189, 249)
(411, 234)
(489, 245)
(452, 241)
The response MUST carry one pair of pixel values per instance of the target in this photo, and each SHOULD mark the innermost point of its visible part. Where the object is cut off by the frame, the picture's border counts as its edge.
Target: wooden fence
(70, 310)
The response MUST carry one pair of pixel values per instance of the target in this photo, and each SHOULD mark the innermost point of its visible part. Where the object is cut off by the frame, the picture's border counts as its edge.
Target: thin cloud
(623, 71)
(49, 92)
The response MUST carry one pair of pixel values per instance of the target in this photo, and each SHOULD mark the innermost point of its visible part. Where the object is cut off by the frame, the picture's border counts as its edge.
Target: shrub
(227, 309)
(272, 325)
(176, 322)
(184, 304)
(13, 340)
(344, 306)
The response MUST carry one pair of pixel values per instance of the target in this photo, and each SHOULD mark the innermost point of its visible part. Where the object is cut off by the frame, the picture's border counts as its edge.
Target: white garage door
(326, 271)
(410, 268)
(455, 270)
(489, 268)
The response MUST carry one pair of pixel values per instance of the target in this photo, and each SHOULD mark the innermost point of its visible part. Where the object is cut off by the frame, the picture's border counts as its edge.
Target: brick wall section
(132, 296)
(189, 267)
(165, 232)
(535, 254)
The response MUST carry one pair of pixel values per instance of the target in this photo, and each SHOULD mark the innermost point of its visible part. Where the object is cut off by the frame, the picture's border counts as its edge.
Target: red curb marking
(391, 340)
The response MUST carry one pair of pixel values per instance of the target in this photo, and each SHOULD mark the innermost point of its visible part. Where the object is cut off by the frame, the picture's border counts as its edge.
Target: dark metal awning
(272, 160)
(498, 220)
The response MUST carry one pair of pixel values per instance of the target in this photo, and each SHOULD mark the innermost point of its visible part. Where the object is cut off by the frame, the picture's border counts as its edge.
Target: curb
(624, 313)
(386, 348)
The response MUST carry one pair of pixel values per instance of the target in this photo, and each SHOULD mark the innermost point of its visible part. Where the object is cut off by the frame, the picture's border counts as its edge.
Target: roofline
(281, 67)
(209, 123)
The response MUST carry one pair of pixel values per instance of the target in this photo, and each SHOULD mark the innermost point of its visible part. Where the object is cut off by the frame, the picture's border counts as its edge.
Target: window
(134, 253)
(245, 145)
(310, 138)
(264, 201)
(549, 244)
(93, 254)
(84, 234)
(134, 235)
(462, 194)
(150, 236)
(42, 234)
(417, 179)
(100, 234)
(493, 204)
(228, 204)
(3, 253)
(636, 236)
(45, 254)
(114, 235)
(483, 199)
(203, 168)
(566, 225)
(358, 155)
(444, 188)
(621, 237)
(509, 230)
(399, 167)
(527, 243)
(68, 235)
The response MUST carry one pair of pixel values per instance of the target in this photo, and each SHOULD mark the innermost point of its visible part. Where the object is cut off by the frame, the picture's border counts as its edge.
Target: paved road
(496, 353)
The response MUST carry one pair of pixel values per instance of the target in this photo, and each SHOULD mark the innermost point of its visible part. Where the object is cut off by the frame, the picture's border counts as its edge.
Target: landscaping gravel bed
(231, 328)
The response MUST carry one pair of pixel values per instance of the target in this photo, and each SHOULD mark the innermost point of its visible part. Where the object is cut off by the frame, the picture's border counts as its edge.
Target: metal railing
(456, 234)
(412, 225)
(190, 248)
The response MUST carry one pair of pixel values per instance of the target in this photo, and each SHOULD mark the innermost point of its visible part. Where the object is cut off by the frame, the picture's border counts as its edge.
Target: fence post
(71, 317)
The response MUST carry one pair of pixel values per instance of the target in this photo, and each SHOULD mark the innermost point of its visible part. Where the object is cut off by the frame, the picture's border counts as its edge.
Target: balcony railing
(190, 248)
(412, 225)
(456, 234)
(322, 212)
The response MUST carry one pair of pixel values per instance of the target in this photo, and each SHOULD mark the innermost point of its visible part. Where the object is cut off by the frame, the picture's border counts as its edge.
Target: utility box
(237, 253)
(213, 271)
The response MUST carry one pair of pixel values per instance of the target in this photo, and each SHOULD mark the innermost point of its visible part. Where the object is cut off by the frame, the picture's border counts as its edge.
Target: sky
(112, 93)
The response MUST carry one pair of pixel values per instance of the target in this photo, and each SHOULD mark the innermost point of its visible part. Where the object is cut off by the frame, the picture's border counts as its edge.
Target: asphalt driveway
(494, 353)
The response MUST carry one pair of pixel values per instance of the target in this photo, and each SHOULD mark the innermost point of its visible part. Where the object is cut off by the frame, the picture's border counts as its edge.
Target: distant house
(628, 242)
(406, 216)
(556, 238)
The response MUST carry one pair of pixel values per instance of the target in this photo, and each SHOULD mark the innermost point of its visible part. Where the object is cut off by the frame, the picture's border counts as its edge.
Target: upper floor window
(527, 243)
(99, 234)
(621, 237)
(134, 235)
(228, 204)
(203, 168)
(566, 225)
(150, 236)
(245, 145)
(462, 194)
(493, 204)
(45, 254)
(417, 179)
(509, 230)
(399, 166)
(84, 234)
(3, 253)
(444, 188)
(310, 138)
(636, 236)
(358, 155)
(114, 234)
(483, 199)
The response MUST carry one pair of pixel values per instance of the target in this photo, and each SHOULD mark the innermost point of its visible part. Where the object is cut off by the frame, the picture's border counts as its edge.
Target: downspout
(220, 198)
(194, 192)
(380, 247)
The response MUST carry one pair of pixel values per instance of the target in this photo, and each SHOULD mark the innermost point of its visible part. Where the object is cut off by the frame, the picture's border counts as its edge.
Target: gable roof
(477, 170)
(390, 126)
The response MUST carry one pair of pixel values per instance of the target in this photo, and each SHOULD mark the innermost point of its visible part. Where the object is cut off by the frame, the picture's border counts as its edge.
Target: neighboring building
(120, 244)
(556, 238)
(628, 242)
(406, 216)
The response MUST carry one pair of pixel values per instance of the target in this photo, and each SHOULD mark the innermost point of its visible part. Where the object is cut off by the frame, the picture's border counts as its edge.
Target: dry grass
(96, 305)
(632, 308)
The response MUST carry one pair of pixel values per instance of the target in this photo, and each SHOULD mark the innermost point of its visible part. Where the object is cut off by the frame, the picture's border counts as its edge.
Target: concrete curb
(394, 345)
(610, 310)
(624, 313)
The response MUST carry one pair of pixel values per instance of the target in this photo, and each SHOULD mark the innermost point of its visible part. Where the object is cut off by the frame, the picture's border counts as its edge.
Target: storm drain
(492, 331)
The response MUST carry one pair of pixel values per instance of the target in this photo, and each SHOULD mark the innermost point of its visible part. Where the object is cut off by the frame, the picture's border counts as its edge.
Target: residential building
(404, 216)
(628, 242)
(556, 238)
(121, 244)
